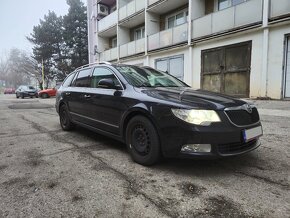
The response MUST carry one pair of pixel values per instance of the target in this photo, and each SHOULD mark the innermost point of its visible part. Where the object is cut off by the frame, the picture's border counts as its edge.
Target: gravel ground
(46, 172)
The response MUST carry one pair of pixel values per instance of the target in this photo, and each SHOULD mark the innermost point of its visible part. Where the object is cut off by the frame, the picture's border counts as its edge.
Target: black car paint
(108, 111)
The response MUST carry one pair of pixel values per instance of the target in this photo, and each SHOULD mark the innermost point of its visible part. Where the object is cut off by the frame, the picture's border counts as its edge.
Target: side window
(68, 80)
(102, 73)
(83, 78)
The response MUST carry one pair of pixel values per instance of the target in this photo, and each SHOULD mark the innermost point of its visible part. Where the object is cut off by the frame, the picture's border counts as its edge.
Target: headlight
(197, 117)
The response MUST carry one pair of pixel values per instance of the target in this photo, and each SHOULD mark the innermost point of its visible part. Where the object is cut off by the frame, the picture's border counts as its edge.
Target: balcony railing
(168, 37)
(108, 21)
(108, 55)
(150, 2)
(240, 15)
(131, 48)
(279, 8)
(131, 8)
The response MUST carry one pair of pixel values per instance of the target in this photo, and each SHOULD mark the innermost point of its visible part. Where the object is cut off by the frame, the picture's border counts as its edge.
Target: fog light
(196, 148)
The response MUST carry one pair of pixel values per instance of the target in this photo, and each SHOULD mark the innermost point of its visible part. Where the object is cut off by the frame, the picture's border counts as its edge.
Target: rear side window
(83, 79)
(68, 80)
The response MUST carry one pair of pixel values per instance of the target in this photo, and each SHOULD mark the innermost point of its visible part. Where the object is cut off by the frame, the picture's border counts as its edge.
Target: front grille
(235, 148)
(242, 117)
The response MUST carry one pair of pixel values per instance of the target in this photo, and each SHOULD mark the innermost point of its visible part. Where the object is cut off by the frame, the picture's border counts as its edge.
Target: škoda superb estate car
(156, 114)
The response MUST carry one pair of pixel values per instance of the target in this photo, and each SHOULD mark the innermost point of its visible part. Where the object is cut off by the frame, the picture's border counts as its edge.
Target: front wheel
(64, 119)
(142, 141)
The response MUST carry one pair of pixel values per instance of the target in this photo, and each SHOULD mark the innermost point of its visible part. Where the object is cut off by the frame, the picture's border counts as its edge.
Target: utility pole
(42, 75)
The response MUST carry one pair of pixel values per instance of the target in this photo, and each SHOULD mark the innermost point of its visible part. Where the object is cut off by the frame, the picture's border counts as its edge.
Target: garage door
(227, 69)
(287, 70)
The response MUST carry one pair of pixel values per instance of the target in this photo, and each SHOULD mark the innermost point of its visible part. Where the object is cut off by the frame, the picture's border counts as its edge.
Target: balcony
(165, 6)
(168, 37)
(151, 2)
(108, 55)
(279, 8)
(108, 21)
(132, 48)
(131, 8)
(245, 14)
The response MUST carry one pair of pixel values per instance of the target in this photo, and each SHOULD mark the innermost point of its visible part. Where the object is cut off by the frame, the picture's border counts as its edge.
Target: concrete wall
(152, 24)
(276, 60)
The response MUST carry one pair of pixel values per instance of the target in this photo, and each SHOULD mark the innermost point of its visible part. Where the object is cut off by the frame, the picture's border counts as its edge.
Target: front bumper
(225, 138)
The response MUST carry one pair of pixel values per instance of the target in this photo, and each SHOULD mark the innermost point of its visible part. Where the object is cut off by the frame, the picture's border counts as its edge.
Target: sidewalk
(273, 108)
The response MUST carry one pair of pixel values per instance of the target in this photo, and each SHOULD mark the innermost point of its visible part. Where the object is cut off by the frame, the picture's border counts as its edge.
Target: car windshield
(31, 87)
(148, 77)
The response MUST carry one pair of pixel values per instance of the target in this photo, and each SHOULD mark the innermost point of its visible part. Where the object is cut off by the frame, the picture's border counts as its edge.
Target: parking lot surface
(46, 172)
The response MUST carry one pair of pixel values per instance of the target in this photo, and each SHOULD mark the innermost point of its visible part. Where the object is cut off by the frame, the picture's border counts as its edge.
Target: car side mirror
(107, 84)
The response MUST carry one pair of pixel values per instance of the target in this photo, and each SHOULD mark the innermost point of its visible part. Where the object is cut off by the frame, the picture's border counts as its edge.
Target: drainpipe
(264, 75)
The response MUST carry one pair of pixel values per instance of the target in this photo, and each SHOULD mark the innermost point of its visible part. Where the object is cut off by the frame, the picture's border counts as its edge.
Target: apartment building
(236, 47)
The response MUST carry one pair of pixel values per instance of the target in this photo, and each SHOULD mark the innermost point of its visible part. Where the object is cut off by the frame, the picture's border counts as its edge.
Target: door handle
(87, 96)
(67, 93)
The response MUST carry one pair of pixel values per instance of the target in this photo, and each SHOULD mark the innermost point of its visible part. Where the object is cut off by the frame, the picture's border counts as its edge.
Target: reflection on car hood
(193, 98)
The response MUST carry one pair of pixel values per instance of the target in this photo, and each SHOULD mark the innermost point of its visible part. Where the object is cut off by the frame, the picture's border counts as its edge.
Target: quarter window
(83, 78)
(68, 80)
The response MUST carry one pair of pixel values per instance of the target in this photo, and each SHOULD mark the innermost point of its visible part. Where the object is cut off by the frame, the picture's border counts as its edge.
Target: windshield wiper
(145, 84)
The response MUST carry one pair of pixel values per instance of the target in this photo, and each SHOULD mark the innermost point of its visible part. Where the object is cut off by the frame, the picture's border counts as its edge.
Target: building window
(176, 19)
(223, 4)
(139, 33)
(173, 65)
(114, 42)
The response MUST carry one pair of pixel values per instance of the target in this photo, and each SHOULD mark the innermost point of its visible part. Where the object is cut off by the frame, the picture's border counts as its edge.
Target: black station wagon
(156, 114)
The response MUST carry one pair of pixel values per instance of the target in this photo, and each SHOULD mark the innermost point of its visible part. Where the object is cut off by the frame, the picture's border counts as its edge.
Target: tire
(22, 96)
(17, 96)
(64, 119)
(142, 141)
(45, 95)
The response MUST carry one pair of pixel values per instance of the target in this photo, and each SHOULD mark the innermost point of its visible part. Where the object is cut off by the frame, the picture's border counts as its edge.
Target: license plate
(249, 134)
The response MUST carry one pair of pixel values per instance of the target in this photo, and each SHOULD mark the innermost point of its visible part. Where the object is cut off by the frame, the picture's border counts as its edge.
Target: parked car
(47, 93)
(9, 91)
(156, 114)
(26, 91)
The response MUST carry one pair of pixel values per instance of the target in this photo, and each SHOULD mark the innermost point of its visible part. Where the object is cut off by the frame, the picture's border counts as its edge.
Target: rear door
(77, 95)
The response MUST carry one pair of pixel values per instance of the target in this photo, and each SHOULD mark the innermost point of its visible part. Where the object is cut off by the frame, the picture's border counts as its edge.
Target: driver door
(105, 105)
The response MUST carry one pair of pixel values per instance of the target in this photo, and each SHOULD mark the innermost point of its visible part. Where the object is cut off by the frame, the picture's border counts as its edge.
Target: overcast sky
(17, 18)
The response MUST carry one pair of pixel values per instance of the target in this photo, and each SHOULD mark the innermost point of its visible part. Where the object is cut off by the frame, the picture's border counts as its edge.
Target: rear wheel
(142, 141)
(64, 119)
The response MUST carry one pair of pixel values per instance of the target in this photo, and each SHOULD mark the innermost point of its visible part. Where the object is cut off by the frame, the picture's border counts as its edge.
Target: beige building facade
(236, 47)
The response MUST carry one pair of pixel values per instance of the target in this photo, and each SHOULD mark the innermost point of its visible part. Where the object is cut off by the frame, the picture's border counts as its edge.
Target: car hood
(192, 98)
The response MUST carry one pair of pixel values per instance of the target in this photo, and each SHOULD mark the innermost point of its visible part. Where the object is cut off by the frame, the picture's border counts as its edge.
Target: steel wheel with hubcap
(64, 119)
(142, 141)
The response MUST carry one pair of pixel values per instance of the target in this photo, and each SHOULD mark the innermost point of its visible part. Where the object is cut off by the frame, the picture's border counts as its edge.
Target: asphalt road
(46, 172)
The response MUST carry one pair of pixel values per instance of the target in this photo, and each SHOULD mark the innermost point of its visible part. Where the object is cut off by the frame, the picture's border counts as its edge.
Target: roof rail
(91, 64)
(105, 62)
